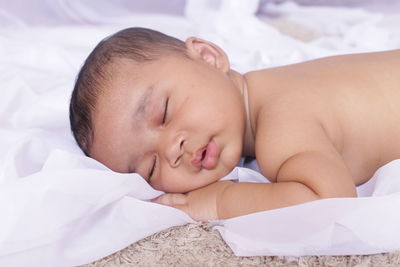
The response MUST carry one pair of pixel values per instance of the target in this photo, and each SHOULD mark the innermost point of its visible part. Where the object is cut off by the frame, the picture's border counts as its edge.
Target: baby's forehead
(126, 76)
(127, 84)
(128, 71)
(121, 72)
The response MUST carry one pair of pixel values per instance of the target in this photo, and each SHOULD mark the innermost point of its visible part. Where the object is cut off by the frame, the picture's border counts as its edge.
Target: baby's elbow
(351, 193)
(343, 193)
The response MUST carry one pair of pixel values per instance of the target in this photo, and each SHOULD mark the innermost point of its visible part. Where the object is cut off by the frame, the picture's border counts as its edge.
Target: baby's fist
(200, 204)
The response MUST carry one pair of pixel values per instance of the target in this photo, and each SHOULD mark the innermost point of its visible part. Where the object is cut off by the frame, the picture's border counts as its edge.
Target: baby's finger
(171, 199)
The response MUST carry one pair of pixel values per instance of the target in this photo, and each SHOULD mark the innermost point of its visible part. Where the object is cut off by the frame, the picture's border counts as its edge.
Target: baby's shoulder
(284, 133)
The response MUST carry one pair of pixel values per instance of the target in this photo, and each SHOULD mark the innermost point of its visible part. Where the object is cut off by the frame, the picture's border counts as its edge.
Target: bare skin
(317, 128)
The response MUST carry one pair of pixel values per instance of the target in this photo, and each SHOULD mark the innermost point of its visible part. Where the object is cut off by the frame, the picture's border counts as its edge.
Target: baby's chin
(215, 176)
(198, 181)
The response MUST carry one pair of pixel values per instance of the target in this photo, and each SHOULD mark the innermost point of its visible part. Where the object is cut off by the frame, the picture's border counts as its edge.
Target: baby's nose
(175, 151)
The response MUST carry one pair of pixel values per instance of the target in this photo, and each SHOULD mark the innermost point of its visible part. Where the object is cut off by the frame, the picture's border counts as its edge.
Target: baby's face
(177, 122)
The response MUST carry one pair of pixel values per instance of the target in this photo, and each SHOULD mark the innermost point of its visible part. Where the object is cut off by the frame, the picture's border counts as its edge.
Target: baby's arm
(303, 177)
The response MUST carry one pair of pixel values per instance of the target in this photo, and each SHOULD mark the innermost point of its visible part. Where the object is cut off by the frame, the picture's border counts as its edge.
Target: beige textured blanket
(198, 245)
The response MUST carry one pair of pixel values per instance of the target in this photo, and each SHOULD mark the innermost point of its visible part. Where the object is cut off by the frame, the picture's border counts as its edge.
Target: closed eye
(165, 111)
(152, 168)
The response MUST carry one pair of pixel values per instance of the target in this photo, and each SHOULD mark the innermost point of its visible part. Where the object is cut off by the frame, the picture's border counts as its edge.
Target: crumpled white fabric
(339, 226)
(74, 211)
(59, 208)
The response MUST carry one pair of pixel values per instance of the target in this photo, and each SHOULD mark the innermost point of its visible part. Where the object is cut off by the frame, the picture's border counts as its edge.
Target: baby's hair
(137, 44)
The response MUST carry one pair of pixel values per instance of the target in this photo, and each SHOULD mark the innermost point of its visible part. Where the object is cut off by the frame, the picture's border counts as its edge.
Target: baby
(177, 114)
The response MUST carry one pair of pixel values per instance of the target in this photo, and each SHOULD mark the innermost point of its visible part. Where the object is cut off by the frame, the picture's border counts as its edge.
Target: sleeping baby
(178, 115)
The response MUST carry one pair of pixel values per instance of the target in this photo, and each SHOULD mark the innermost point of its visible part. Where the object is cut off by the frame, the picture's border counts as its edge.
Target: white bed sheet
(59, 208)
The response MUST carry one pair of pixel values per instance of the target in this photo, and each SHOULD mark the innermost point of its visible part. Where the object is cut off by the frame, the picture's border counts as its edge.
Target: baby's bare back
(355, 98)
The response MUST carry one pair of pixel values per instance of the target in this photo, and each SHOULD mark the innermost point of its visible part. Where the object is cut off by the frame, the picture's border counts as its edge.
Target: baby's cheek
(173, 181)
(229, 159)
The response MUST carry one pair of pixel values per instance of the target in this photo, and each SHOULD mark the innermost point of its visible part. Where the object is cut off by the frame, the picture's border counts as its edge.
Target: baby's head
(169, 110)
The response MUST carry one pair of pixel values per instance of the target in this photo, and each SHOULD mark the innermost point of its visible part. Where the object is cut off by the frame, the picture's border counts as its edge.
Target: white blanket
(59, 208)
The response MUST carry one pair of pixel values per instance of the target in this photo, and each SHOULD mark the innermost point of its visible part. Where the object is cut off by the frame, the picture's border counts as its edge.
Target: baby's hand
(200, 204)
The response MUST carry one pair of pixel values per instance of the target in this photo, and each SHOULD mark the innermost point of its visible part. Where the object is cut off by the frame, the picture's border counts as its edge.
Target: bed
(60, 208)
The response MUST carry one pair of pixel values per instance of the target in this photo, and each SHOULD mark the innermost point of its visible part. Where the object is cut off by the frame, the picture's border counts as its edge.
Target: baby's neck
(248, 140)
(248, 143)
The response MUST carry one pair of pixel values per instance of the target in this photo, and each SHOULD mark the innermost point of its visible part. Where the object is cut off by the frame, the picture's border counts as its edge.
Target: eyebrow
(140, 111)
(144, 102)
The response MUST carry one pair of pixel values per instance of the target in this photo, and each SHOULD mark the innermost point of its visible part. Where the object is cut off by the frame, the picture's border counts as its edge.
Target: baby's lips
(196, 163)
(196, 159)
(210, 160)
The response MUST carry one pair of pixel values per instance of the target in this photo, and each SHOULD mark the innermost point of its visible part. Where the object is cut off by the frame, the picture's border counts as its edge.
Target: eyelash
(152, 168)
(163, 122)
(165, 111)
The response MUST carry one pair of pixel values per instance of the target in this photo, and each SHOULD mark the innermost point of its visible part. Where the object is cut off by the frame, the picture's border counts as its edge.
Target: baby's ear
(208, 52)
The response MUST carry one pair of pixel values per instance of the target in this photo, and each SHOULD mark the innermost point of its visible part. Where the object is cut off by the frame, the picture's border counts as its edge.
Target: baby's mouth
(206, 157)
(199, 156)
(203, 155)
